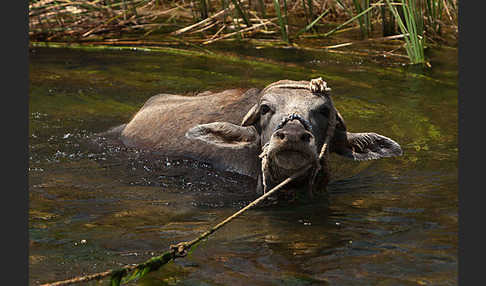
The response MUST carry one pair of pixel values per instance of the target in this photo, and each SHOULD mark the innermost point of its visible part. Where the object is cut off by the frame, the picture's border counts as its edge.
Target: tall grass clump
(53, 19)
(387, 21)
(354, 18)
(412, 28)
(364, 21)
(201, 22)
(437, 14)
(362, 18)
(433, 13)
(307, 7)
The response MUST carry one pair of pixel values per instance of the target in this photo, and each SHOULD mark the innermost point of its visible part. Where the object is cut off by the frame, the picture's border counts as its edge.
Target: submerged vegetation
(411, 25)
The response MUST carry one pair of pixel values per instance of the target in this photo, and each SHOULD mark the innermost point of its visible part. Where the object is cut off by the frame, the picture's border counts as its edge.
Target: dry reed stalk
(447, 11)
(380, 39)
(218, 32)
(113, 42)
(160, 13)
(188, 28)
(209, 26)
(257, 18)
(254, 27)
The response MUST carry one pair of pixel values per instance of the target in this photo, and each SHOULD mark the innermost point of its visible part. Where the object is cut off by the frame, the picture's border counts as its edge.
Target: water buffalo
(266, 134)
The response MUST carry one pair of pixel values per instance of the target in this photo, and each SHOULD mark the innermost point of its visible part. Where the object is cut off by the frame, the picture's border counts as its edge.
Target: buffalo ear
(225, 134)
(365, 146)
(251, 117)
(253, 114)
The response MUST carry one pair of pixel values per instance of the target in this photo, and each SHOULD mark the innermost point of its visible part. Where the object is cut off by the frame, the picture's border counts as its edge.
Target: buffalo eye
(264, 109)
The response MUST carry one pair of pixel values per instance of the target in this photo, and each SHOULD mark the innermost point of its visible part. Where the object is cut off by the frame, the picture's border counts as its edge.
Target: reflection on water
(96, 206)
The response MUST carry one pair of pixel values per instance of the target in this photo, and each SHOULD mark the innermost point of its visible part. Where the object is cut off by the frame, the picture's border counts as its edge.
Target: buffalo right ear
(362, 146)
(366, 146)
(225, 134)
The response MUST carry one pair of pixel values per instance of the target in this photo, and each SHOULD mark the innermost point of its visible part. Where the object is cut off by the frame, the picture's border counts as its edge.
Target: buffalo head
(290, 123)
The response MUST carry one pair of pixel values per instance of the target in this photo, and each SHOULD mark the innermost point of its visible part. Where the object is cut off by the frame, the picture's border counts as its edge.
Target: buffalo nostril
(305, 137)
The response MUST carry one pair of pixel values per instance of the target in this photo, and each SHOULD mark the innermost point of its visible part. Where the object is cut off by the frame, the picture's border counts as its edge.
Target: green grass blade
(240, 11)
(350, 20)
(310, 7)
(414, 41)
(281, 22)
(345, 7)
(402, 27)
(204, 9)
(286, 18)
(308, 27)
(359, 9)
(262, 8)
(305, 12)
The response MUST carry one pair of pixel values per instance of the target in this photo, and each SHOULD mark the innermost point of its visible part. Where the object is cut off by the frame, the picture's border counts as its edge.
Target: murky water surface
(95, 206)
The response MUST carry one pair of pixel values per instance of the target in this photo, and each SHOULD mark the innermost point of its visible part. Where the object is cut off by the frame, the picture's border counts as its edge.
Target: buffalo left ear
(366, 146)
(251, 116)
(225, 134)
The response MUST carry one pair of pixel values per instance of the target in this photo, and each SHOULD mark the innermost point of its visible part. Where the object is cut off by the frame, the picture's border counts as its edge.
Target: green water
(95, 206)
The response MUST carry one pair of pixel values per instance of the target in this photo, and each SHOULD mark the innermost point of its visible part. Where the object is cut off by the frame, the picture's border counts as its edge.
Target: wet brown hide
(160, 126)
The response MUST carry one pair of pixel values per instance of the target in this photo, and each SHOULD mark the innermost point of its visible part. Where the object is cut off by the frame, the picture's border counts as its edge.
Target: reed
(387, 22)
(241, 12)
(206, 21)
(203, 9)
(281, 21)
(306, 14)
(347, 22)
(286, 18)
(433, 14)
(262, 8)
(311, 25)
(413, 28)
(364, 21)
(310, 7)
(56, 19)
